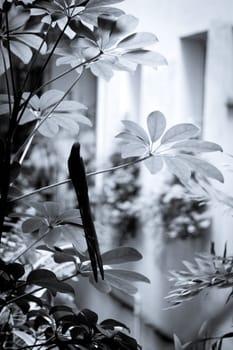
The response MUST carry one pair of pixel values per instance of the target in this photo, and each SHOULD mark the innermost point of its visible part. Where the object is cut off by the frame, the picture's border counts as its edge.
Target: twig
(45, 188)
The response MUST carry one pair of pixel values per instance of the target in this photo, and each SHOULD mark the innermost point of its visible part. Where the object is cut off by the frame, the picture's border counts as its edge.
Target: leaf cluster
(208, 270)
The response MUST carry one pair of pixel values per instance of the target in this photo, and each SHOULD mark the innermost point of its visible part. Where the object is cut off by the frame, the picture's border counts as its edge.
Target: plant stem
(13, 300)
(34, 59)
(88, 174)
(10, 55)
(30, 246)
(37, 345)
(24, 105)
(61, 75)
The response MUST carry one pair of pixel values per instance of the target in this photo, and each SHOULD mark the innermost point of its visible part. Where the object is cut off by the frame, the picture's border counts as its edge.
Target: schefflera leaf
(54, 113)
(175, 147)
(47, 279)
(115, 277)
(111, 46)
(51, 221)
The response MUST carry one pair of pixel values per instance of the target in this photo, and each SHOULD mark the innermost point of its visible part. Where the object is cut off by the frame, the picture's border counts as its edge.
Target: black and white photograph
(116, 172)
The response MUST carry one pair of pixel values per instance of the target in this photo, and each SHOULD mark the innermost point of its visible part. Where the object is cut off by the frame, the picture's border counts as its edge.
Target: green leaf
(137, 41)
(180, 132)
(202, 167)
(197, 146)
(127, 275)
(156, 124)
(137, 130)
(154, 164)
(179, 168)
(120, 255)
(47, 279)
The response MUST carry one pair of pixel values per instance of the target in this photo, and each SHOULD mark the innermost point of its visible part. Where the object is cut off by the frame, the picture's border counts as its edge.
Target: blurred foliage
(118, 201)
(181, 216)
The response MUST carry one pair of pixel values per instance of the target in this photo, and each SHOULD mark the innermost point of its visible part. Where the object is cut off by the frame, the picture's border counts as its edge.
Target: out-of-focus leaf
(134, 150)
(22, 51)
(177, 343)
(27, 338)
(180, 132)
(120, 284)
(128, 137)
(32, 224)
(128, 275)
(179, 168)
(71, 216)
(202, 167)
(102, 285)
(120, 255)
(49, 128)
(156, 124)
(137, 130)
(124, 25)
(146, 57)
(53, 235)
(197, 146)
(33, 41)
(154, 164)
(137, 40)
(102, 69)
(97, 3)
(14, 171)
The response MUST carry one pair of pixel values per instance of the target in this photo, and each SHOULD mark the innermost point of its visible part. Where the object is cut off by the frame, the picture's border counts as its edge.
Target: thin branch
(13, 300)
(45, 188)
(69, 70)
(32, 93)
(10, 54)
(35, 58)
(30, 246)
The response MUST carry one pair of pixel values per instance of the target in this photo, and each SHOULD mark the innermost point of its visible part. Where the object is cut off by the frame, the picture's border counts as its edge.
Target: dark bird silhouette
(79, 180)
